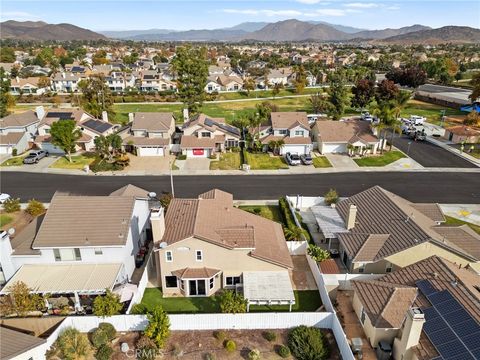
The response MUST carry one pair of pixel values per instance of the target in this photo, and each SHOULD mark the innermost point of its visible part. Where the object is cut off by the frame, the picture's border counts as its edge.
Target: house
(274, 76)
(427, 310)
(150, 134)
(382, 232)
(65, 82)
(17, 345)
(212, 84)
(27, 86)
(118, 81)
(290, 127)
(204, 136)
(17, 130)
(206, 244)
(462, 133)
(82, 245)
(348, 136)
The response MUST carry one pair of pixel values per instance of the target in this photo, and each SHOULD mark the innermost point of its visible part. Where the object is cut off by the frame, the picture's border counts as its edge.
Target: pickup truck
(35, 156)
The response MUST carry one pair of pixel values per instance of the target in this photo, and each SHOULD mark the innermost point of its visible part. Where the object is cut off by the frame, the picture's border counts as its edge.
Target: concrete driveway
(193, 164)
(341, 161)
(42, 165)
(149, 164)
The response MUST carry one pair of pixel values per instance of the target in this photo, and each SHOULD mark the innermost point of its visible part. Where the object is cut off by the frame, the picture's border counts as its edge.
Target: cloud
(309, 2)
(289, 13)
(360, 5)
(18, 15)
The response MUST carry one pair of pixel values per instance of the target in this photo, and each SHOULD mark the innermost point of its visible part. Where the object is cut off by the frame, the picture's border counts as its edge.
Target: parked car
(293, 159)
(35, 156)
(416, 119)
(306, 159)
(4, 197)
(366, 116)
(417, 135)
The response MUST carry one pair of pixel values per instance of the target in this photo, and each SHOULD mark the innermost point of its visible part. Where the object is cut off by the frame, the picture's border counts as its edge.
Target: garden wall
(306, 201)
(297, 247)
(137, 297)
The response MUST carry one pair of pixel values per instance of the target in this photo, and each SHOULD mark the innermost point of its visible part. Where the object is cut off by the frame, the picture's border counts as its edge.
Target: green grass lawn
(14, 161)
(78, 162)
(430, 111)
(5, 219)
(321, 162)
(380, 160)
(262, 161)
(304, 301)
(264, 94)
(271, 212)
(228, 161)
(451, 221)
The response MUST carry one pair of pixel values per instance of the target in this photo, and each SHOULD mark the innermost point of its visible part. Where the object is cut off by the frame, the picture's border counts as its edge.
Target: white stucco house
(17, 130)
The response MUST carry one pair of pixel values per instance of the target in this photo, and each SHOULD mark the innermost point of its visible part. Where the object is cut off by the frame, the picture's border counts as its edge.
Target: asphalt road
(430, 155)
(450, 187)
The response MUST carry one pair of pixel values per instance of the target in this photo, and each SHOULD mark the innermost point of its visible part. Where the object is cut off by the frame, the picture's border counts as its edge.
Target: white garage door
(6, 149)
(333, 148)
(295, 149)
(202, 153)
(150, 151)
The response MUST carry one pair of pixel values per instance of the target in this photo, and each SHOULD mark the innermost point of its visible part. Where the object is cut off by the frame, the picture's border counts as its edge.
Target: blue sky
(200, 14)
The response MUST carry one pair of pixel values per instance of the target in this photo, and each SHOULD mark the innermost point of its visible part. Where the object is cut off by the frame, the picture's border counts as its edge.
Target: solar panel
(448, 306)
(60, 115)
(430, 313)
(97, 125)
(472, 341)
(441, 336)
(457, 316)
(439, 297)
(467, 327)
(425, 287)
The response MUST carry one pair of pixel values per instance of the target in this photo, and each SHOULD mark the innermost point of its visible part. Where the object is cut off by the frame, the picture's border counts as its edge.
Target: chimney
(130, 117)
(410, 333)
(185, 115)
(40, 111)
(157, 219)
(105, 116)
(351, 216)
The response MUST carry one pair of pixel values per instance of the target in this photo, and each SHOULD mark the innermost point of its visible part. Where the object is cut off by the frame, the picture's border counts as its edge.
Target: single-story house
(462, 133)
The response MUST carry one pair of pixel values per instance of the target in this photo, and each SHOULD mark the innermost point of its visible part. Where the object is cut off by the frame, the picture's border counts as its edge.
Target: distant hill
(446, 34)
(192, 35)
(385, 33)
(128, 34)
(247, 26)
(343, 28)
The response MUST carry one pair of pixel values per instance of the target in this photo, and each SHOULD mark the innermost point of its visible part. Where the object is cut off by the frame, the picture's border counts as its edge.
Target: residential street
(441, 187)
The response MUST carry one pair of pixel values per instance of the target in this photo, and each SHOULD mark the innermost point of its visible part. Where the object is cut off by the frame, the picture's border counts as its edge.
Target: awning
(268, 288)
(65, 279)
(329, 221)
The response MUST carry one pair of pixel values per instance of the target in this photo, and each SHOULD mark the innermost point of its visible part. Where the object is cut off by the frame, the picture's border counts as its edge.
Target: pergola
(268, 288)
(329, 222)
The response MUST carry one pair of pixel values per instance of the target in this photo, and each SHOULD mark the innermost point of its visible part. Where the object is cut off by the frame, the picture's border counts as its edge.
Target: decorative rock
(124, 347)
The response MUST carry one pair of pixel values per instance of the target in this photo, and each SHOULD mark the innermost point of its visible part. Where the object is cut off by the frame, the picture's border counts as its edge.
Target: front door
(197, 288)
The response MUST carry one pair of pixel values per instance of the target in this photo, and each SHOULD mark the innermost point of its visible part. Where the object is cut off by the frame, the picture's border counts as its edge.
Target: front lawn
(271, 212)
(5, 220)
(451, 221)
(321, 162)
(380, 160)
(430, 111)
(308, 300)
(228, 161)
(262, 161)
(14, 161)
(78, 162)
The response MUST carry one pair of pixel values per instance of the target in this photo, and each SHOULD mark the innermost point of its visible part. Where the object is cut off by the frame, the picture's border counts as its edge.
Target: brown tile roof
(76, 114)
(48, 138)
(213, 124)
(11, 138)
(296, 140)
(385, 304)
(370, 248)
(152, 121)
(191, 141)
(22, 242)
(15, 343)
(329, 266)
(19, 120)
(344, 131)
(213, 218)
(195, 273)
(433, 211)
(85, 221)
(131, 190)
(463, 130)
(32, 80)
(146, 141)
(288, 120)
(462, 237)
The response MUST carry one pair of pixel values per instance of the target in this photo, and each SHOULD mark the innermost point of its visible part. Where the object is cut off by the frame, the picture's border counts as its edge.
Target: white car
(4, 197)
(416, 119)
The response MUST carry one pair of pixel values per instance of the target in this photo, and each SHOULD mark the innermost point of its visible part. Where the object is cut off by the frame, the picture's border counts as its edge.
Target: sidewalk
(445, 145)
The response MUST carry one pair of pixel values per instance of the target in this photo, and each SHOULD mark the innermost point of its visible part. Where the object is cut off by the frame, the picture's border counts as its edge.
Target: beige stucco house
(206, 244)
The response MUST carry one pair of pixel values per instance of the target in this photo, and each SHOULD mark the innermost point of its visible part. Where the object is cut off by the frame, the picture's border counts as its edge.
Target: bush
(14, 152)
(11, 205)
(99, 338)
(230, 346)
(307, 343)
(107, 305)
(104, 352)
(138, 309)
(284, 351)
(158, 328)
(35, 208)
(287, 214)
(181, 157)
(73, 345)
(108, 329)
(213, 157)
(270, 336)
(257, 210)
(147, 348)
(102, 165)
(331, 197)
(219, 335)
(254, 355)
(232, 302)
(244, 156)
(317, 253)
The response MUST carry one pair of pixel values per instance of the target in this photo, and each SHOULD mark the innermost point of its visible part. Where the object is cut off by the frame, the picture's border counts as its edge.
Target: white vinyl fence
(297, 247)
(343, 281)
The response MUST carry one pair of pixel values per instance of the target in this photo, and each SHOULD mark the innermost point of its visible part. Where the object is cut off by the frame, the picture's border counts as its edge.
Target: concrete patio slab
(341, 161)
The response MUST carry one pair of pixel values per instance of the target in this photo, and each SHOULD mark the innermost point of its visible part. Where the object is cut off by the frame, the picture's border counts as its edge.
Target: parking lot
(428, 154)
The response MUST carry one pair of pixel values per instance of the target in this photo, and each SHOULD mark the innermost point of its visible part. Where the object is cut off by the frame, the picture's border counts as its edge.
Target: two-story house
(65, 82)
(83, 244)
(290, 127)
(206, 244)
(149, 134)
(204, 136)
(118, 81)
(17, 130)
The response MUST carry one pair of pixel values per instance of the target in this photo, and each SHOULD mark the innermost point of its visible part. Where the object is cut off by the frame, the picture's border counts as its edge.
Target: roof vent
(454, 283)
(124, 221)
(120, 235)
(435, 275)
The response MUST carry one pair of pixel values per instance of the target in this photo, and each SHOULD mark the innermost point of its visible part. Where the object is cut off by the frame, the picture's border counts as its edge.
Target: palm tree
(401, 101)
(255, 121)
(295, 233)
(385, 113)
(276, 145)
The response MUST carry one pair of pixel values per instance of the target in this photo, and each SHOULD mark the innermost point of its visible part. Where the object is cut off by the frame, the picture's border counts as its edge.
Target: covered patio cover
(329, 221)
(268, 288)
(64, 279)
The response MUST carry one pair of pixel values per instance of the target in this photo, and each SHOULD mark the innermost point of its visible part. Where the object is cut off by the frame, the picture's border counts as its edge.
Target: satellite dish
(11, 231)
(152, 195)
(163, 245)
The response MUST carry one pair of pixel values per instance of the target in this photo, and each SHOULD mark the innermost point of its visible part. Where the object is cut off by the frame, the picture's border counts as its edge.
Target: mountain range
(287, 30)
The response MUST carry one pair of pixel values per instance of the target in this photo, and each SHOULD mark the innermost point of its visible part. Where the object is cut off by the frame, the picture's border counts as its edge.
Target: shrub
(230, 346)
(270, 336)
(307, 343)
(35, 208)
(108, 329)
(219, 335)
(147, 348)
(177, 350)
(14, 152)
(99, 338)
(73, 345)
(213, 156)
(254, 354)
(158, 328)
(181, 157)
(232, 302)
(11, 205)
(104, 352)
(284, 351)
(317, 253)
(138, 309)
(257, 210)
(287, 214)
(107, 305)
(331, 197)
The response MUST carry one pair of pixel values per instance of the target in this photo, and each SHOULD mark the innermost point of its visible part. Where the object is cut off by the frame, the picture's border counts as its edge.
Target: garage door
(5, 149)
(150, 151)
(295, 149)
(333, 148)
(198, 153)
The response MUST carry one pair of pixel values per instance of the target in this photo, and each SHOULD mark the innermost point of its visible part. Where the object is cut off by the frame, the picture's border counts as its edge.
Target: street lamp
(408, 149)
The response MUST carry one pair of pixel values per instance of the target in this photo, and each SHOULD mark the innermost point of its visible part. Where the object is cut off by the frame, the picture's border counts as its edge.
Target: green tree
(386, 116)
(319, 104)
(249, 85)
(338, 96)
(107, 305)
(317, 253)
(96, 96)
(232, 302)
(18, 301)
(307, 343)
(158, 328)
(73, 345)
(475, 82)
(191, 67)
(300, 79)
(7, 55)
(11, 205)
(331, 197)
(65, 135)
(276, 89)
(6, 99)
(108, 147)
(472, 119)
(294, 233)
(276, 145)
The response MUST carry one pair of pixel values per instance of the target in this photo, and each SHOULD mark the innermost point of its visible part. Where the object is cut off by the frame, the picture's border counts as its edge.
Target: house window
(168, 256)
(199, 255)
(171, 281)
(47, 131)
(98, 252)
(211, 283)
(362, 316)
(361, 269)
(205, 134)
(389, 267)
(282, 132)
(233, 280)
(298, 132)
(67, 254)
(210, 88)
(231, 143)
